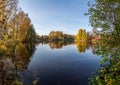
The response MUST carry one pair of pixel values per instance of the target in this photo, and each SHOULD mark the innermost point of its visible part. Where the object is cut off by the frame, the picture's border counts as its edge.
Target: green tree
(31, 35)
(105, 14)
(109, 72)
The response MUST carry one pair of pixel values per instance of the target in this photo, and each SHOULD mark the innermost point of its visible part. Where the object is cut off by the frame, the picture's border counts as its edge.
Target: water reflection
(21, 56)
(14, 62)
(66, 66)
(59, 44)
(56, 45)
(82, 46)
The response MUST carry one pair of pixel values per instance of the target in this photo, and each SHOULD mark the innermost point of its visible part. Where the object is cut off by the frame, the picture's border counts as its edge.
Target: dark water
(63, 65)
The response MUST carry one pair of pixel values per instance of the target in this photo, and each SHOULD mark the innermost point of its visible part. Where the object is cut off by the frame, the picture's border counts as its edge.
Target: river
(63, 65)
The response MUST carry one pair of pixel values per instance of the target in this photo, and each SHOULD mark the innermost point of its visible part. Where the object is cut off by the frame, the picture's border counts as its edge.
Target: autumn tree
(7, 10)
(56, 35)
(24, 27)
(105, 14)
(21, 24)
(81, 35)
(15, 24)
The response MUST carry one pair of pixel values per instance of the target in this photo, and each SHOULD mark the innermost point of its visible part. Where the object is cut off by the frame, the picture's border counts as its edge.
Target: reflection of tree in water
(56, 45)
(6, 75)
(81, 45)
(21, 56)
(30, 48)
(109, 73)
(12, 65)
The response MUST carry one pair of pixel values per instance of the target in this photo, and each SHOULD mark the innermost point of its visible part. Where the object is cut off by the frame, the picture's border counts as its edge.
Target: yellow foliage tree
(81, 35)
(7, 10)
(14, 24)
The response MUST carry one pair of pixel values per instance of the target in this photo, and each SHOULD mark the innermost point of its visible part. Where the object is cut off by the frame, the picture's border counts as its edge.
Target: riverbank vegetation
(15, 25)
(17, 42)
(105, 15)
(82, 35)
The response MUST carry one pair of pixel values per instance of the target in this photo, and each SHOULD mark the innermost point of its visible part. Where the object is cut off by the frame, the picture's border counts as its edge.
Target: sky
(57, 15)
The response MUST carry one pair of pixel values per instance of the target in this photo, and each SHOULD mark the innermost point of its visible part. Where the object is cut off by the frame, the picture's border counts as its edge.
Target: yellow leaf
(3, 47)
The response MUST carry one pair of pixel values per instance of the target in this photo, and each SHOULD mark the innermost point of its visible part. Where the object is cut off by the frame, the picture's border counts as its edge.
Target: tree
(81, 35)
(56, 35)
(109, 72)
(31, 34)
(105, 14)
(21, 25)
(89, 36)
(7, 10)
(15, 24)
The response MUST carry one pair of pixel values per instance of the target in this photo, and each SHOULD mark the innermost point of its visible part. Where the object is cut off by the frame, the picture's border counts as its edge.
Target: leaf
(97, 77)
(3, 47)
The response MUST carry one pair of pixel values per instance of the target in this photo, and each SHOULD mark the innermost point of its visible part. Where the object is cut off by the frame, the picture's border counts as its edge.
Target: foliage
(81, 35)
(89, 36)
(12, 64)
(17, 82)
(7, 10)
(57, 35)
(21, 27)
(15, 25)
(31, 35)
(15, 28)
(108, 74)
(105, 14)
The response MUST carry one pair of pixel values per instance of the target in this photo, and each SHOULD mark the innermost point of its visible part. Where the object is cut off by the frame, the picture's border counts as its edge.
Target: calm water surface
(64, 66)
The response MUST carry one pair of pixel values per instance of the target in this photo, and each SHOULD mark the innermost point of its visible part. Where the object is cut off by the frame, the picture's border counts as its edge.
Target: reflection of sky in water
(64, 66)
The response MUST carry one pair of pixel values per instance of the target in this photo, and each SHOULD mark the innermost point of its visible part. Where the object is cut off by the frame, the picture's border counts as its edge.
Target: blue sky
(62, 15)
